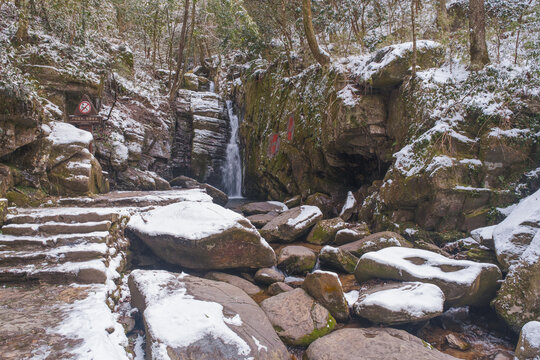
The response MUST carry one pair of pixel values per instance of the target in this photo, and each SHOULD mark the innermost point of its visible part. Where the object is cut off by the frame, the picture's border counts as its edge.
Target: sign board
(85, 108)
(290, 128)
(86, 116)
(273, 146)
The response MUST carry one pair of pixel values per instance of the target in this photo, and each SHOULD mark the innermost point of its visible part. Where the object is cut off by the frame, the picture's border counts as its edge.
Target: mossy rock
(325, 231)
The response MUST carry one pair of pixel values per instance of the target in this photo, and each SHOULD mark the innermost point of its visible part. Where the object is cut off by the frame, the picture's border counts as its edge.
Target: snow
(466, 272)
(176, 319)
(352, 297)
(329, 249)
(307, 213)
(483, 234)
(189, 220)
(531, 333)
(93, 317)
(259, 345)
(415, 298)
(138, 347)
(522, 222)
(349, 203)
(410, 231)
(64, 133)
(511, 133)
(278, 203)
(439, 162)
(348, 96)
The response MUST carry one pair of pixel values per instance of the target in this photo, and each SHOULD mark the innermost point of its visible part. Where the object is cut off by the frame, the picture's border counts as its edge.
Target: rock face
(201, 136)
(528, 346)
(291, 224)
(372, 343)
(375, 242)
(339, 259)
(325, 231)
(297, 318)
(462, 282)
(326, 289)
(192, 318)
(202, 235)
(400, 303)
(135, 179)
(296, 259)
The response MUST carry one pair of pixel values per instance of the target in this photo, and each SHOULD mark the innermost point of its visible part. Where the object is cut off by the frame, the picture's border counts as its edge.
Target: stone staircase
(63, 245)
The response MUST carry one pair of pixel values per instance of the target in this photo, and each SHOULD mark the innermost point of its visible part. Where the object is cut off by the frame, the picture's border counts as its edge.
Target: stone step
(62, 254)
(63, 215)
(55, 228)
(28, 243)
(86, 272)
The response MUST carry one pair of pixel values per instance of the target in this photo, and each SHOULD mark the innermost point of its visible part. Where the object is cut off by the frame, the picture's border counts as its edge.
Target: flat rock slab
(260, 220)
(462, 282)
(297, 317)
(376, 242)
(195, 318)
(400, 303)
(372, 344)
(202, 235)
(292, 224)
(248, 287)
(58, 322)
(263, 207)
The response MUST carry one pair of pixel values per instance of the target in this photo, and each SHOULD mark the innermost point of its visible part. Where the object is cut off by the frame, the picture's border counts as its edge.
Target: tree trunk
(22, 30)
(321, 57)
(477, 33)
(181, 46)
(413, 22)
(442, 17)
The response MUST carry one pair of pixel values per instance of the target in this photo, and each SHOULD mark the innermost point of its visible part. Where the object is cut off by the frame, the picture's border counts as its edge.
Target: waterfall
(232, 170)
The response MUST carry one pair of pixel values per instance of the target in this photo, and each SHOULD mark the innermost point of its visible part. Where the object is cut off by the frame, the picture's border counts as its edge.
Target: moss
(26, 197)
(317, 333)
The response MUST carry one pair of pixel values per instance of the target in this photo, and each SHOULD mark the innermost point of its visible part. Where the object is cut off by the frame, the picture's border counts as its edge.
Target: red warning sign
(86, 108)
(290, 128)
(273, 146)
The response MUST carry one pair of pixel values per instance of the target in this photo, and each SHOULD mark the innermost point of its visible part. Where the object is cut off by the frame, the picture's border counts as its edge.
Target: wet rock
(218, 196)
(372, 343)
(297, 318)
(456, 342)
(135, 179)
(338, 259)
(248, 287)
(349, 208)
(260, 220)
(278, 288)
(325, 231)
(294, 201)
(196, 318)
(326, 289)
(354, 233)
(263, 207)
(268, 276)
(323, 202)
(376, 242)
(291, 224)
(296, 259)
(528, 346)
(400, 303)
(462, 282)
(202, 235)
(185, 182)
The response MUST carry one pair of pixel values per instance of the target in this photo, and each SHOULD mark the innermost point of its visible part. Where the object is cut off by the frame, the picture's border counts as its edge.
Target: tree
(178, 76)
(321, 57)
(413, 22)
(477, 34)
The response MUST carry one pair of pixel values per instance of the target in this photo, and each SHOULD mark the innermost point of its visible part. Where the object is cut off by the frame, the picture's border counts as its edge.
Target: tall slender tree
(321, 57)
(177, 79)
(413, 23)
(477, 34)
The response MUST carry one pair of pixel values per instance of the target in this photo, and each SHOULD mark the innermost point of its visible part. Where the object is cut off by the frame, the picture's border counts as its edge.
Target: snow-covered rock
(514, 235)
(202, 235)
(292, 224)
(528, 347)
(338, 259)
(352, 234)
(198, 318)
(297, 318)
(376, 242)
(400, 303)
(462, 282)
(349, 207)
(325, 231)
(263, 207)
(241, 283)
(372, 343)
(326, 288)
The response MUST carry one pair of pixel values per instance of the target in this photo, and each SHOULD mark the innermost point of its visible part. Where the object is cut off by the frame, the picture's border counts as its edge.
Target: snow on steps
(39, 242)
(56, 228)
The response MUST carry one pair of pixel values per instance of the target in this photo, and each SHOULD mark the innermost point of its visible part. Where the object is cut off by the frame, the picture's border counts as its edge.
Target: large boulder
(462, 282)
(338, 259)
(241, 283)
(187, 317)
(297, 318)
(400, 303)
(260, 220)
(296, 259)
(372, 344)
(326, 288)
(202, 235)
(136, 179)
(325, 231)
(515, 233)
(292, 224)
(263, 207)
(389, 66)
(528, 346)
(268, 276)
(349, 235)
(375, 242)
(66, 140)
(349, 207)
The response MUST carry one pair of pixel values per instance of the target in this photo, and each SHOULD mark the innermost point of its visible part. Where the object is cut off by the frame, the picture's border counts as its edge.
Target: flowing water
(232, 170)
